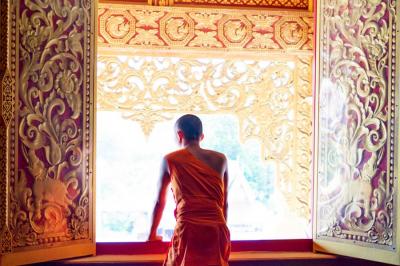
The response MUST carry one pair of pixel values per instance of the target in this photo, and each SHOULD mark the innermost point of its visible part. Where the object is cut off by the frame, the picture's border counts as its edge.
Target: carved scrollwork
(356, 185)
(149, 90)
(49, 191)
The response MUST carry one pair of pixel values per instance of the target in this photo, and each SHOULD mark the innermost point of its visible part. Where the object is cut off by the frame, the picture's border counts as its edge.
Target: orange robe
(201, 237)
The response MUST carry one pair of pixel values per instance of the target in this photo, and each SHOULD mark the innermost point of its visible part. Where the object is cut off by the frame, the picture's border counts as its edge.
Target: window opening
(257, 111)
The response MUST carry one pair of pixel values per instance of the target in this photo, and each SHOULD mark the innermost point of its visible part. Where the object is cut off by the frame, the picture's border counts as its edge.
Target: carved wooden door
(46, 130)
(356, 173)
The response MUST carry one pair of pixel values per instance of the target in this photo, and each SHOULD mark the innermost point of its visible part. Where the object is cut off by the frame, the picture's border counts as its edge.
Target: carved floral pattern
(49, 186)
(168, 27)
(356, 184)
(153, 89)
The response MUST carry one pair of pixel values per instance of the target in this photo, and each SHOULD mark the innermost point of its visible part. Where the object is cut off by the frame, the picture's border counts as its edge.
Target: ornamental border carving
(205, 29)
(6, 114)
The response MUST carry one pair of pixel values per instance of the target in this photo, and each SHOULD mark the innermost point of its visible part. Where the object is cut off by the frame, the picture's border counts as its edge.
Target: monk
(199, 180)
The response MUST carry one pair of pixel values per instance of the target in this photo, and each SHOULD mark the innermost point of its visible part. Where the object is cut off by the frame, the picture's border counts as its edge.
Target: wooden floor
(236, 259)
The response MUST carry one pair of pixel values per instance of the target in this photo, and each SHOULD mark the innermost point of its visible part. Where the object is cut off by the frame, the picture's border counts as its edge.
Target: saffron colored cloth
(201, 237)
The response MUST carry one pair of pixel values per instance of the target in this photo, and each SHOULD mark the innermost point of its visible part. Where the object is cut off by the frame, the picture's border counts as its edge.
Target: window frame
(272, 245)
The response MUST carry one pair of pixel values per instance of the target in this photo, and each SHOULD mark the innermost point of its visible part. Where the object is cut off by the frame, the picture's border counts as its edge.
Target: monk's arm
(160, 204)
(226, 182)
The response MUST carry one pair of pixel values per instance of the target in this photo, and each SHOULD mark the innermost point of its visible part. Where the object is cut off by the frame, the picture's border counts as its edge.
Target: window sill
(151, 248)
(235, 256)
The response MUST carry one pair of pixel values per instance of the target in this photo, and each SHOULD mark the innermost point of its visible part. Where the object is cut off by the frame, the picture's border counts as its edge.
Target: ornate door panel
(46, 131)
(356, 198)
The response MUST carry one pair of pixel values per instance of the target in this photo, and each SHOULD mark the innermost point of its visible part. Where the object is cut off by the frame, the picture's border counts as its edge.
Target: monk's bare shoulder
(220, 157)
(173, 154)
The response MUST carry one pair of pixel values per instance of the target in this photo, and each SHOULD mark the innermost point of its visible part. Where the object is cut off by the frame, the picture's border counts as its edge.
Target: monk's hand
(154, 238)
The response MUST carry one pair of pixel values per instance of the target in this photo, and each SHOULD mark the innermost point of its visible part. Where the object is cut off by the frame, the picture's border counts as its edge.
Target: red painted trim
(136, 248)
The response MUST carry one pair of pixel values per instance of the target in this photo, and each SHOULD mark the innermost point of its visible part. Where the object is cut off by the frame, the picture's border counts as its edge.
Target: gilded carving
(148, 18)
(206, 20)
(49, 135)
(205, 39)
(5, 235)
(7, 101)
(5, 240)
(160, 2)
(292, 32)
(303, 135)
(176, 29)
(204, 28)
(6, 114)
(251, 90)
(356, 185)
(118, 26)
(3, 37)
(234, 30)
(147, 38)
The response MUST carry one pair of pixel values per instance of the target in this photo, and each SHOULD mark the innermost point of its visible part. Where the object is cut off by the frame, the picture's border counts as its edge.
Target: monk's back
(198, 179)
(213, 159)
(196, 176)
(201, 236)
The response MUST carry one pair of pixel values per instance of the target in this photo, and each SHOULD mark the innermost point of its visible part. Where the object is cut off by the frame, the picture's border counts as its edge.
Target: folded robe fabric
(201, 237)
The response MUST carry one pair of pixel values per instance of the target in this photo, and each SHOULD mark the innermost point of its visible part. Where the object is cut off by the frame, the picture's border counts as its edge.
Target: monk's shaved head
(191, 126)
